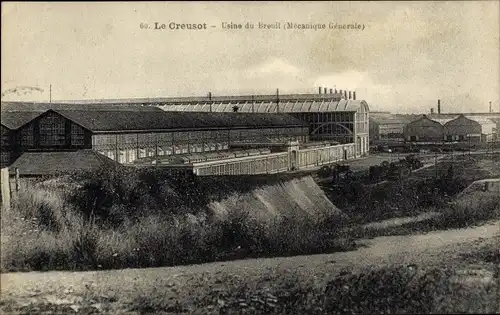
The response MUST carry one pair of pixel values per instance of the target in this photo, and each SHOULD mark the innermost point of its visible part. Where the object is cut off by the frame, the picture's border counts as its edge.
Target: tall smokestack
(439, 107)
(320, 90)
(490, 107)
(341, 94)
(350, 95)
(326, 91)
(345, 94)
(331, 91)
(336, 91)
(209, 96)
(354, 95)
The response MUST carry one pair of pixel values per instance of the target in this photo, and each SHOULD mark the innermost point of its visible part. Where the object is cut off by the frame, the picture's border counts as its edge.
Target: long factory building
(208, 136)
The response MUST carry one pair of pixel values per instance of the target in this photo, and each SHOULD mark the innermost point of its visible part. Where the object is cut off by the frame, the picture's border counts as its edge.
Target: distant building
(424, 129)
(387, 127)
(475, 129)
(496, 131)
(450, 128)
(126, 136)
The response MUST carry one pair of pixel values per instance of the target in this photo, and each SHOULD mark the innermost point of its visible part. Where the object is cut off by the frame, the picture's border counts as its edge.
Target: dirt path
(119, 288)
(400, 221)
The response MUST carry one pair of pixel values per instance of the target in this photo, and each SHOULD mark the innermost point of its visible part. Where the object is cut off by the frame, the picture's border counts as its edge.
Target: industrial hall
(226, 139)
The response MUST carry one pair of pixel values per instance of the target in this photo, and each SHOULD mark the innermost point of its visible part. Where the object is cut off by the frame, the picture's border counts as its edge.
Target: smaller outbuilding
(387, 127)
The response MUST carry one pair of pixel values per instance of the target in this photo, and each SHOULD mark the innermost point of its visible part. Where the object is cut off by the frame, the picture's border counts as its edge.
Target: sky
(409, 54)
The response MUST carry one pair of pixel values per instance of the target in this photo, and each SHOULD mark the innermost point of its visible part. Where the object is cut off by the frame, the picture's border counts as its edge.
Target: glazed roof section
(284, 106)
(201, 99)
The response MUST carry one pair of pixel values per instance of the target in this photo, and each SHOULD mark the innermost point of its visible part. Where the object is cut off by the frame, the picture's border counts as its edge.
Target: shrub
(390, 290)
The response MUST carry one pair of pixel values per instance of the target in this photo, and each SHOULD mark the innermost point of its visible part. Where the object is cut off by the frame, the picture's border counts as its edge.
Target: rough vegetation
(118, 218)
(425, 190)
(449, 285)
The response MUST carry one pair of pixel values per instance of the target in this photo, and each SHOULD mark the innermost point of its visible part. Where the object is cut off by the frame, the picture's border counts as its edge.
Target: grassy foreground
(455, 277)
(118, 218)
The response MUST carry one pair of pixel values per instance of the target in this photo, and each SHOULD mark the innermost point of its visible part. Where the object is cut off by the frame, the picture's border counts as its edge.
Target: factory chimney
(341, 94)
(350, 95)
(354, 95)
(336, 91)
(490, 107)
(439, 107)
(345, 94)
(326, 91)
(320, 90)
(331, 91)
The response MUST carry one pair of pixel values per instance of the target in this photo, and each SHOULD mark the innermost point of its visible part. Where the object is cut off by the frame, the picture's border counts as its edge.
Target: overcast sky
(409, 54)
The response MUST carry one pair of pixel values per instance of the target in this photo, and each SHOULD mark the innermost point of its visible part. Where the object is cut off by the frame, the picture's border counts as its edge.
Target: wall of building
(6, 146)
(277, 162)
(51, 131)
(126, 148)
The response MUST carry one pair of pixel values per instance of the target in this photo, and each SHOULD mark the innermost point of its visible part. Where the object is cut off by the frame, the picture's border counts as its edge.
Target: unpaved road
(117, 290)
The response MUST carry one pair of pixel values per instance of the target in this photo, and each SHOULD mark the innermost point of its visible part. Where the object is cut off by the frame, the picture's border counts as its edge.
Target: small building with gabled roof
(424, 129)
(472, 129)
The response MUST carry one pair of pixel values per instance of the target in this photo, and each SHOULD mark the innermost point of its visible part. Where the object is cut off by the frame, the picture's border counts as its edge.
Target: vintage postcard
(292, 157)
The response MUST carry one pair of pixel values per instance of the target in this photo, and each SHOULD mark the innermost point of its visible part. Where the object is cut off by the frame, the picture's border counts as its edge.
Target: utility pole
(50, 93)
(469, 147)
(277, 100)
(435, 165)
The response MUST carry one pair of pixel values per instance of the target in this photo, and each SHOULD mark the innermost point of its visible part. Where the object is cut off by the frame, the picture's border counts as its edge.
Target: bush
(474, 208)
(113, 195)
(387, 290)
(392, 290)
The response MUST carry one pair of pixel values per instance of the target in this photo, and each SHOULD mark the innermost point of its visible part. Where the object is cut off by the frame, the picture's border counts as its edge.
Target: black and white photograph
(250, 157)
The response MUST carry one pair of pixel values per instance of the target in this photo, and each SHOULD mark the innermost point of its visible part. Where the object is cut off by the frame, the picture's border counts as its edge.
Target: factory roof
(200, 99)
(388, 119)
(110, 121)
(443, 121)
(271, 106)
(482, 120)
(50, 163)
(425, 120)
(14, 120)
(42, 107)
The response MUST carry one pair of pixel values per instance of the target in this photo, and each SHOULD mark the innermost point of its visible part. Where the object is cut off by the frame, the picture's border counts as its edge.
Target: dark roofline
(424, 116)
(29, 121)
(42, 114)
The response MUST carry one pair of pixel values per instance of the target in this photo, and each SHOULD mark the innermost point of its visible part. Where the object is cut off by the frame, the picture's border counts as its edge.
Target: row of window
(321, 156)
(52, 133)
(167, 138)
(129, 155)
(255, 166)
